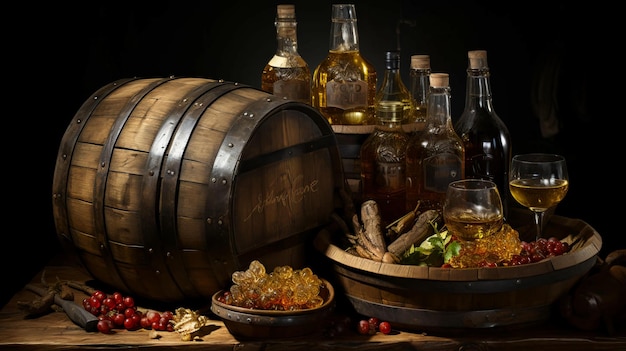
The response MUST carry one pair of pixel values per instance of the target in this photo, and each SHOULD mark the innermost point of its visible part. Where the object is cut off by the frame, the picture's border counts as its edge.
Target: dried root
(370, 242)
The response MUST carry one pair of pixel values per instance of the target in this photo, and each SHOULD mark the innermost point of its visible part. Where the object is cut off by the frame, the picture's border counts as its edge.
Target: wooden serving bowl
(419, 297)
(246, 323)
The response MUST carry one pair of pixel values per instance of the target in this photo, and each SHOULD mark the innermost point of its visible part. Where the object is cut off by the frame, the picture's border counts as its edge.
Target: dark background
(59, 55)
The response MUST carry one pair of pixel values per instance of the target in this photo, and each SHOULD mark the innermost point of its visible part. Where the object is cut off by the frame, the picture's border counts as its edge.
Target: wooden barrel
(349, 140)
(432, 298)
(164, 187)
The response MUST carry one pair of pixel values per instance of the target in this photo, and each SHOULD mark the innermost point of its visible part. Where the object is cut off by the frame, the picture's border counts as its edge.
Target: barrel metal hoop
(200, 99)
(102, 173)
(64, 158)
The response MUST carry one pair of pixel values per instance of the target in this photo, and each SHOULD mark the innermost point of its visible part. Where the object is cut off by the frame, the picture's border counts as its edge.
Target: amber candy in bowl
(251, 323)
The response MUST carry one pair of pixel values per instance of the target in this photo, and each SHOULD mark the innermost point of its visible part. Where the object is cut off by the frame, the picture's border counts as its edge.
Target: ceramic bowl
(249, 323)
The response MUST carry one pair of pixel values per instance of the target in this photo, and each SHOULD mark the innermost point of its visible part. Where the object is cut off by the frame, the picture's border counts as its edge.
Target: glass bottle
(383, 153)
(287, 74)
(419, 76)
(392, 89)
(485, 137)
(344, 83)
(434, 158)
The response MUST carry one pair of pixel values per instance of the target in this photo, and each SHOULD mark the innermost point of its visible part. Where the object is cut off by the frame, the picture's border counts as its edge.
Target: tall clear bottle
(287, 74)
(383, 153)
(485, 137)
(419, 75)
(344, 83)
(434, 158)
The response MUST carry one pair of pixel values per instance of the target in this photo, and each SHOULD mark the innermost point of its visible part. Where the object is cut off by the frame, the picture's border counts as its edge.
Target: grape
(384, 327)
(105, 326)
(363, 327)
(124, 313)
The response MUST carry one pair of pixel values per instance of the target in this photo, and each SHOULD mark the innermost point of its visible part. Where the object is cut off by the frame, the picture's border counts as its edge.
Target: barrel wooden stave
(147, 188)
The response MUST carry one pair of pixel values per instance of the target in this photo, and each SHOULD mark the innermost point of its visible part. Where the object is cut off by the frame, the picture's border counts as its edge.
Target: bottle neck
(478, 89)
(286, 37)
(419, 84)
(344, 35)
(439, 107)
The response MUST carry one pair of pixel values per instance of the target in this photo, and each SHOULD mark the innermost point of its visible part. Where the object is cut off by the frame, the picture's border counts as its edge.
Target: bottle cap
(392, 59)
(477, 59)
(439, 80)
(420, 62)
(286, 11)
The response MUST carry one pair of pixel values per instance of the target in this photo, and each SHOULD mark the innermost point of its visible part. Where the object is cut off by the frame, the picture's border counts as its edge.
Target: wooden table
(54, 331)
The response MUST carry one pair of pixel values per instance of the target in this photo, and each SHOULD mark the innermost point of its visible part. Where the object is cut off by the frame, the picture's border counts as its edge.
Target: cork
(477, 59)
(286, 11)
(439, 80)
(420, 62)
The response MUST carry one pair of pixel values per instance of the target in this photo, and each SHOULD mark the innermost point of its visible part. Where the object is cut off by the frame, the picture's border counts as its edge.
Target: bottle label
(346, 95)
(293, 89)
(390, 175)
(441, 170)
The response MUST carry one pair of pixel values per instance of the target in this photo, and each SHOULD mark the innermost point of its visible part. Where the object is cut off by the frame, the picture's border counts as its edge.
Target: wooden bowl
(418, 297)
(249, 323)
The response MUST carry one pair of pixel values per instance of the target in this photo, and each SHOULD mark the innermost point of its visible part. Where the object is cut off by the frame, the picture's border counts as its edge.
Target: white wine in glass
(538, 181)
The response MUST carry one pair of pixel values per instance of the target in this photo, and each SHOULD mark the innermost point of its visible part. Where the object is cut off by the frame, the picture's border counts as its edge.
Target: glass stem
(538, 223)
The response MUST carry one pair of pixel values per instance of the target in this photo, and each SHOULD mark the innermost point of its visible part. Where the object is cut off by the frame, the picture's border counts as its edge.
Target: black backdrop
(59, 55)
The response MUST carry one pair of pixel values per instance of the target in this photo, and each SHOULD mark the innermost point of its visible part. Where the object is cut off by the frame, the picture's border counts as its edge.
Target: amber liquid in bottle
(383, 153)
(343, 86)
(434, 158)
(485, 137)
(287, 75)
(419, 76)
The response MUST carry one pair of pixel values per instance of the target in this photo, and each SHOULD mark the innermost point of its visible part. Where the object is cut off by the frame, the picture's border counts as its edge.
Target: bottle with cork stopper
(435, 157)
(287, 75)
(485, 137)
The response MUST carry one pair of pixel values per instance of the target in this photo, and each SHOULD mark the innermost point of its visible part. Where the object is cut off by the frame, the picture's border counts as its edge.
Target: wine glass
(538, 181)
(473, 209)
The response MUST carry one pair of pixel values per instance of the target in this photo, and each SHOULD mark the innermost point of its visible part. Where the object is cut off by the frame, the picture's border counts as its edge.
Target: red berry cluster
(116, 311)
(372, 325)
(536, 251)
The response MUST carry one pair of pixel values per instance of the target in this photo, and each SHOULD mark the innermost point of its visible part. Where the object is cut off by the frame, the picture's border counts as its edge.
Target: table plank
(54, 331)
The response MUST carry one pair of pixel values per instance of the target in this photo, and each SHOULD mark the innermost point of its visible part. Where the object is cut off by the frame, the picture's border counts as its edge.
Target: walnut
(187, 322)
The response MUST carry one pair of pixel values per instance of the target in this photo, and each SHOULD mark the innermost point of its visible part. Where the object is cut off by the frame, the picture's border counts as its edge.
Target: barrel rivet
(78, 121)
(213, 180)
(230, 145)
(170, 172)
(151, 172)
(220, 222)
(150, 250)
(518, 281)
(251, 115)
(95, 98)
(157, 272)
(185, 100)
(64, 156)
(101, 246)
(209, 220)
(268, 99)
(224, 182)
(102, 164)
(169, 254)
